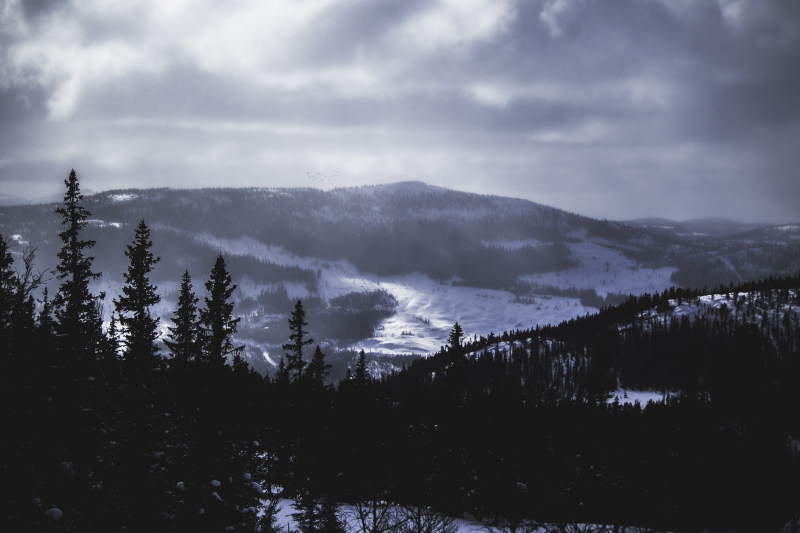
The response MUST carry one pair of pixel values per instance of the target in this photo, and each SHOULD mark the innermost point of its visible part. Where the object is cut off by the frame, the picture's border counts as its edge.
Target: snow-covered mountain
(390, 268)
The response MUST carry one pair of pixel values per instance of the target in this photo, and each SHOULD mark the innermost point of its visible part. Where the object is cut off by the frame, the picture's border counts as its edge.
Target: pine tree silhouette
(184, 334)
(317, 369)
(133, 306)
(297, 341)
(76, 309)
(216, 319)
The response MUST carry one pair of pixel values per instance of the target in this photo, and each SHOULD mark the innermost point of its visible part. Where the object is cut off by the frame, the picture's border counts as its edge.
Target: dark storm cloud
(604, 108)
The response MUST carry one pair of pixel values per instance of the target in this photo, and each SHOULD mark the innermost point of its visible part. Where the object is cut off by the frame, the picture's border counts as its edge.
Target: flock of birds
(320, 177)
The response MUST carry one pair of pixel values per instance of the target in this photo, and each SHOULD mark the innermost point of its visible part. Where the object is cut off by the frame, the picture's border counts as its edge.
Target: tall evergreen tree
(76, 309)
(282, 374)
(317, 369)
(113, 337)
(297, 341)
(45, 327)
(316, 515)
(44, 339)
(361, 377)
(138, 297)
(216, 319)
(184, 335)
(8, 296)
(454, 340)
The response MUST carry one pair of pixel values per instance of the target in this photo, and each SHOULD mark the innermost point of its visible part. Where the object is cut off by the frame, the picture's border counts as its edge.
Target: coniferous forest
(107, 429)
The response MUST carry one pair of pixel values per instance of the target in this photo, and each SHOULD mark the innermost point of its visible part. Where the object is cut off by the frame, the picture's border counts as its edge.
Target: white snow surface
(102, 223)
(625, 396)
(695, 307)
(606, 270)
(427, 309)
(123, 197)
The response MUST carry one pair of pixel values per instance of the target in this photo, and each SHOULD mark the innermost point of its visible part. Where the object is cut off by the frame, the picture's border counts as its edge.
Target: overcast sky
(608, 108)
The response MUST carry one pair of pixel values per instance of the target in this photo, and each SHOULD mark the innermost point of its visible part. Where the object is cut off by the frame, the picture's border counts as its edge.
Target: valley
(492, 264)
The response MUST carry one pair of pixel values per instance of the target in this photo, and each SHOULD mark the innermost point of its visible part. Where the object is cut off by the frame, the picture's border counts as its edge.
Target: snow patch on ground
(102, 223)
(789, 227)
(427, 309)
(123, 197)
(625, 396)
(606, 270)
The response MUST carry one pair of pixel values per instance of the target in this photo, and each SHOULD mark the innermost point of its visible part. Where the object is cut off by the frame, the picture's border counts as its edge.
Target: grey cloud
(37, 8)
(344, 31)
(597, 107)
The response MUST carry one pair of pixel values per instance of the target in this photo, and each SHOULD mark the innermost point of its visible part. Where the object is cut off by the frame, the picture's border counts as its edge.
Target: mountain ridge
(489, 262)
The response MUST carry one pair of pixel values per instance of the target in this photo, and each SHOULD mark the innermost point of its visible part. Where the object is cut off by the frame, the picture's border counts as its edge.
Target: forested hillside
(443, 256)
(107, 430)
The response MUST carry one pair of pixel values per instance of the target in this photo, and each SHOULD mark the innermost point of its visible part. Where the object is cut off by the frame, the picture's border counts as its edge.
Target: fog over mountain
(390, 268)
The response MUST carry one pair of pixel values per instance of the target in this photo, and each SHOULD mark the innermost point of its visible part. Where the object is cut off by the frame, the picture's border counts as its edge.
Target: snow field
(427, 309)
(606, 270)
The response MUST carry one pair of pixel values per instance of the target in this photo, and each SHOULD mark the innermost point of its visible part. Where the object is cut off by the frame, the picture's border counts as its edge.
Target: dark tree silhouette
(183, 335)
(317, 369)
(314, 515)
(454, 340)
(133, 306)
(361, 377)
(297, 341)
(216, 319)
(77, 310)
(8, 284)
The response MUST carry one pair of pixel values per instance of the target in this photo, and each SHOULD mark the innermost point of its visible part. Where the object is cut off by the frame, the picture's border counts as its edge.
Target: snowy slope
(427, 309)
(425, 246)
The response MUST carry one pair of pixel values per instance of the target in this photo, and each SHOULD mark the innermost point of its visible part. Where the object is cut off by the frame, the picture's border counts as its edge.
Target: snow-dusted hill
(429, 256)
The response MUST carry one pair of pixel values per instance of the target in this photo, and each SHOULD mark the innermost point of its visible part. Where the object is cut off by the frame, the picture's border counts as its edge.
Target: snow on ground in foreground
(286, 523)
(632, 396)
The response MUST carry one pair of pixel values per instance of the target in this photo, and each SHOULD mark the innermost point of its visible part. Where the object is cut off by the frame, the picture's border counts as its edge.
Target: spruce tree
(317, 370)
(297, 341)
(113, 337)
(138, 297)
(8, 284)
(216, 319)
(239, 365)
(454, 340)
(76, 309)
(361, 378)
(329, 515)
(307, 513)
(184, 334)
(282, 374)
(45, 326)
(316, 515)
